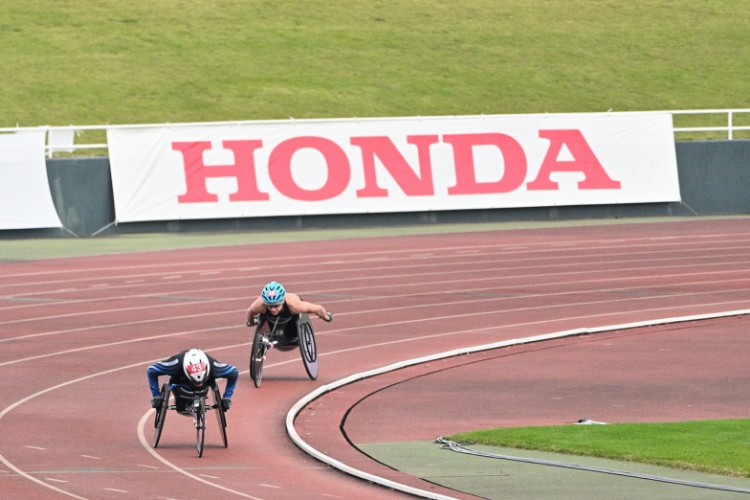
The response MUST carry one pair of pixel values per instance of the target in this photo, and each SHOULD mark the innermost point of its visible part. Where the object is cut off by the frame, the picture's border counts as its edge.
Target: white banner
(25, 198)
(391, 165)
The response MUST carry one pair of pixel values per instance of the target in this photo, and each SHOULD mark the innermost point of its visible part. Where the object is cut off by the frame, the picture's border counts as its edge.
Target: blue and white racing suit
(173, 368)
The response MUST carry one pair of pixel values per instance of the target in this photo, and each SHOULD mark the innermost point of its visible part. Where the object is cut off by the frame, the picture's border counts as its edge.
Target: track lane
(390, 334)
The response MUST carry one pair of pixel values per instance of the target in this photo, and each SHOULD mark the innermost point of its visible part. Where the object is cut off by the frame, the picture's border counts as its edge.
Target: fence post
(729, 125)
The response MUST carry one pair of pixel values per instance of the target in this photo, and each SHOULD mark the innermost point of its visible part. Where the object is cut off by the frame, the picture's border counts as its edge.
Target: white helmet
(196, 366)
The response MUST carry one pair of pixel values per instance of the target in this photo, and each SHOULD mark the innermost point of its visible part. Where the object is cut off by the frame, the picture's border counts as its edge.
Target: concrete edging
(320, 391)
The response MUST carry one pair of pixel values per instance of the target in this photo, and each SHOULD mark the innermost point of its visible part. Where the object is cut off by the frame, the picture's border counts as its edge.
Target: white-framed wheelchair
(198, 404)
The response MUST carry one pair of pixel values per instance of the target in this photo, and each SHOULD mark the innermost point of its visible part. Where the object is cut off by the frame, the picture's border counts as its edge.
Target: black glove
(156, 402)
(226, 404)
(330, 317)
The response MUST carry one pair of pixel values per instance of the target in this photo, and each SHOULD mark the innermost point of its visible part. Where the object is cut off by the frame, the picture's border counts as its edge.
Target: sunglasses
(274, 306)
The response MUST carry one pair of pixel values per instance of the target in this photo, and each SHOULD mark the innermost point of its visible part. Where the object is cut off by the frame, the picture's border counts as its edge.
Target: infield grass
(117, 61)
(714, 446)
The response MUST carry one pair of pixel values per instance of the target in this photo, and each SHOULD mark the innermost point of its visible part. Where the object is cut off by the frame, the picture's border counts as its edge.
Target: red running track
(77, 335)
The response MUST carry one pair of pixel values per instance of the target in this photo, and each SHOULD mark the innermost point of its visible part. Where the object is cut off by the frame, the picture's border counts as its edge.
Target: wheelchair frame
(197, 410)
(265, 339)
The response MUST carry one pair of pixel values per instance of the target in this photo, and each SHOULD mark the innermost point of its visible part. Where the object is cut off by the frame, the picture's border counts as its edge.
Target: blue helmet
(273, 293)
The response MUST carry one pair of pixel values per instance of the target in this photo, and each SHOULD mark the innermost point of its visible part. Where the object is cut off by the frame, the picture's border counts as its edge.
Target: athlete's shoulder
(173, 360)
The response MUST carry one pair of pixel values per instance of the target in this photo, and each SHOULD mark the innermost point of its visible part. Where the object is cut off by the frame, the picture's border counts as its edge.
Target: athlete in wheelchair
(192, 378)
(283, 323)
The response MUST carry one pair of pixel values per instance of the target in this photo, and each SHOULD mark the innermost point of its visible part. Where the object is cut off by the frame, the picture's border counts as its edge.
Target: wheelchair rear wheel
(161, 414)
(308, 348)
(256, 359)
(220, 417)
(200, 426)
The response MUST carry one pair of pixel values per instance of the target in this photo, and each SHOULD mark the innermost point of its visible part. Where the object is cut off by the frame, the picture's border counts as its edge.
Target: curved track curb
(320, 391)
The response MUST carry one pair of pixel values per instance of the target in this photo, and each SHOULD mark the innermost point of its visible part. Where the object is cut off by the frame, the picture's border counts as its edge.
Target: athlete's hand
(330, 317)
(226, 404)
(156, 403)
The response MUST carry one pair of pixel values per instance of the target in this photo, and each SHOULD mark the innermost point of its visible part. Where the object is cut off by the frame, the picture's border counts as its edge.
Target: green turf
(119, 61)
(715, 446)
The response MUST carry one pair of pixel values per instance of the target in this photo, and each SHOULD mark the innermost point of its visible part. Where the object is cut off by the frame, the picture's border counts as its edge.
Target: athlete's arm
(297, 306)
(256, 308)
(169, 367)
(229, 372)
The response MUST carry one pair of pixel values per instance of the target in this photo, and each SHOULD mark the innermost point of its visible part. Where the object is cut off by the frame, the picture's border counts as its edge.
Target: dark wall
(715, 176)
(82, 193)
(714, 179)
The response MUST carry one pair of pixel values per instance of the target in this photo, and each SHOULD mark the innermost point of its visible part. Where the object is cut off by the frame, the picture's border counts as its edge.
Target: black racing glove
(156, 402)
(226, 404)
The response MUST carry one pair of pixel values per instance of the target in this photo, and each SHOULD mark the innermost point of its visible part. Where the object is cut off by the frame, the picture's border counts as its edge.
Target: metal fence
(75, 138)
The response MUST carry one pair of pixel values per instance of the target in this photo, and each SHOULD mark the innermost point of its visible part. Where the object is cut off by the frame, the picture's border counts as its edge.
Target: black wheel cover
(308, 349)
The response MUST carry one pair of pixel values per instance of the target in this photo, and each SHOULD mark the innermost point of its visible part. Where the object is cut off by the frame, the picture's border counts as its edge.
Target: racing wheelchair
(197, 406)
(284, 334)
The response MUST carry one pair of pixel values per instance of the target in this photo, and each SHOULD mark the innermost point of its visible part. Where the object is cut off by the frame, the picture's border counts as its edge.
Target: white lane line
(55, 480)
(210, 477)
(130, 341)
(100, 285)
(121, 309)
(35, 447)
(494, 273)
(130, 282)
(149, 466)
(89, 456)
(688, 239)
(116, 490)
(147, 446)
(269, 486)
(209, 274)
(9, 408)
(435, 318)
(556, 264)
(172, 277)
(150, 412)
(320, 391)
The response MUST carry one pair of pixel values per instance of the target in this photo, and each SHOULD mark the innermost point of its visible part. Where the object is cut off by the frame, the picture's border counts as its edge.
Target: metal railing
(63, 138)
(730, 128)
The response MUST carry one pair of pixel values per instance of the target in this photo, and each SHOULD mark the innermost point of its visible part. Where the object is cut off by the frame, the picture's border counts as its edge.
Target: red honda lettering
(583, 161)
(280, 168)
(196, 172)
(396, 165)
(463, 157)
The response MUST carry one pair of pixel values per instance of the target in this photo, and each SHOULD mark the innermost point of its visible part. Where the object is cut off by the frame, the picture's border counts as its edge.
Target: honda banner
(260, 169)
(25, 198)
